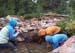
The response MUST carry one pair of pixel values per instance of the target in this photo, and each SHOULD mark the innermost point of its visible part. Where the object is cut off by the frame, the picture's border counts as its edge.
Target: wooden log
(58, 15)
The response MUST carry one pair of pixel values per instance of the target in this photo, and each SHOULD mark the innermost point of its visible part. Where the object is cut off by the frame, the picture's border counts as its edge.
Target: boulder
(68, 47)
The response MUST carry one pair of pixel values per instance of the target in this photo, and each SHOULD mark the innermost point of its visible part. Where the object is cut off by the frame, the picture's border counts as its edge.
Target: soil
(33, 47)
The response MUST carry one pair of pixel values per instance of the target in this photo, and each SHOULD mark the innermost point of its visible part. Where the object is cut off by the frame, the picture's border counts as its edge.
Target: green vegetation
(68, 25)
(29, 8)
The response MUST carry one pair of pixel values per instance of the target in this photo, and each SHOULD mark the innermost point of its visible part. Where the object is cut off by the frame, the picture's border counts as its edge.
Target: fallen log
(57, 15)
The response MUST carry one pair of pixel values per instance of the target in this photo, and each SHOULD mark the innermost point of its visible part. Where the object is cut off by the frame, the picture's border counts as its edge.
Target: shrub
(67, 26)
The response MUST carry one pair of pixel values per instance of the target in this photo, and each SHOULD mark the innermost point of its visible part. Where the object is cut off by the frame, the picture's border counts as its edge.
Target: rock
(68, 47)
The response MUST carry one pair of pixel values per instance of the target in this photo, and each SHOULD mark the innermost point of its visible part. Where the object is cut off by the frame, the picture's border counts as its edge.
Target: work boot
(15, 50)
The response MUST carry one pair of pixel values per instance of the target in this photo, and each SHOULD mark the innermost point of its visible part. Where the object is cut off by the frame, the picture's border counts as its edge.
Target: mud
(26, 47)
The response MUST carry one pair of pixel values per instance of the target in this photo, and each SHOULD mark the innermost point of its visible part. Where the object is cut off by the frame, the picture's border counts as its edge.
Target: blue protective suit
(56, 39)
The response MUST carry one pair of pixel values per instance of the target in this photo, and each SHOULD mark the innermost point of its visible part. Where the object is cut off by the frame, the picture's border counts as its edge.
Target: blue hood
(12, 22)
(48, 38)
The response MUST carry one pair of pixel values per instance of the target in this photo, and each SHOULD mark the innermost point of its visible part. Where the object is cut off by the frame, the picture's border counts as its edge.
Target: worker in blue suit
(55, 40)
(7, 34)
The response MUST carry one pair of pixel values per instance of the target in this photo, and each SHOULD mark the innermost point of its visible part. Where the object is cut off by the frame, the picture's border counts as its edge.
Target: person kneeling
(55, 40)
(7, 34)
